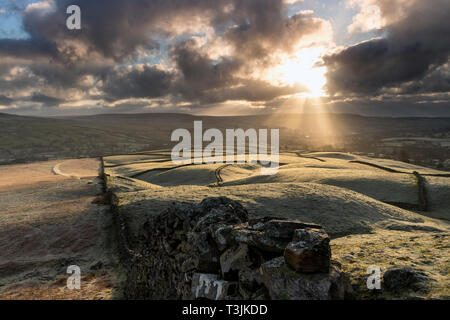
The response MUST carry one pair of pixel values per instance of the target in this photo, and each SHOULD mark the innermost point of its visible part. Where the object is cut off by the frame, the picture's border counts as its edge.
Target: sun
(303, 69)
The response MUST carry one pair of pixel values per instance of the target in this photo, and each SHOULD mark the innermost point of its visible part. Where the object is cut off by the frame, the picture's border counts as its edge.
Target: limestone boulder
(309, 252)
(235, 259)
(283, 283)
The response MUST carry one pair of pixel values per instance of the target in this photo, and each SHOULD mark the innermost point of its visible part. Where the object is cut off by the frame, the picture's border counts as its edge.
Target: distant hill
(344, 123)
(33, 138)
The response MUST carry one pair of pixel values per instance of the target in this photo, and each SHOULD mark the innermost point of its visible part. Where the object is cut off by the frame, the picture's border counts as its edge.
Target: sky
(226, 57)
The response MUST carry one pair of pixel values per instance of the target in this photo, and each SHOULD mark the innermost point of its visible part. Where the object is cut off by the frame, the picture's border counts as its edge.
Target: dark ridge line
(315, 158)
(219, 179)
(405, 205)
(140, 154)
(176, 167)
(124, 178)
(378, 166)
(138, 162)
(217, 174)
(161, 169)
(443, 175)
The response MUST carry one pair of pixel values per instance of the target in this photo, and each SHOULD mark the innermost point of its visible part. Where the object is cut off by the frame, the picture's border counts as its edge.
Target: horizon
(228, 116)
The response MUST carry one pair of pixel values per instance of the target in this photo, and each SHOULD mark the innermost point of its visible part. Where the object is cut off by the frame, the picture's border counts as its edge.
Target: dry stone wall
(212, 250)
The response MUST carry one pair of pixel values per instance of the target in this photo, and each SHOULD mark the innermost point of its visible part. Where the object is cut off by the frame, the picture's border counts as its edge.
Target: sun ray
(304, 69)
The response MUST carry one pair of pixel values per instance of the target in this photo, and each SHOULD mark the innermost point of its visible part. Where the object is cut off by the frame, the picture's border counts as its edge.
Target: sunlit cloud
(225, 56)
(303, 68)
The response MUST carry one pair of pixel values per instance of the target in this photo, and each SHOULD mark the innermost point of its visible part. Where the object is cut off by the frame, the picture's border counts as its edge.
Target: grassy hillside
(372, 212)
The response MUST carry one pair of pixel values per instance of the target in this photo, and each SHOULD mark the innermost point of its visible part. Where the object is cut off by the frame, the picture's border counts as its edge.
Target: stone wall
(212, 250)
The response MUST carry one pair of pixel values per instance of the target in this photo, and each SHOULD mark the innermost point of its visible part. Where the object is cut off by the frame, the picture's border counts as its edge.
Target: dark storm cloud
(413, 47)
(4, 100)
(250, 90)
(263, 30)
(197, 79)
(115, 33)
(408, 107)
(18, 82)
(137, 82)
(28, 48)
(206, 81)
(436, 81)
(199, 73)
(117, 28)
(45, 100)
(60, 76)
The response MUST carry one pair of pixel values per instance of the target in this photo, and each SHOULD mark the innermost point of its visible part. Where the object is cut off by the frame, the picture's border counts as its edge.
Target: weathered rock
(399, 278)
(253, 222)
(189, 264)
(310, 251)
(248, 285)
(226, 205)
(267, 234)
(178, 243)
(248, 277)
(205, 251)
(235, 259)
(214, 218)
(283, 283)
(227, 236)
(285, 229)
(211, 251)
(223, 236)
(210, 287)
(259, 239)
